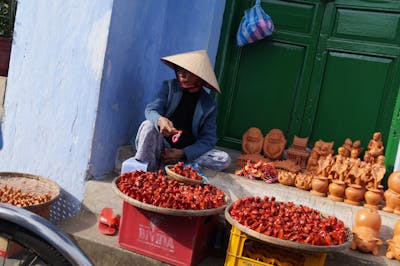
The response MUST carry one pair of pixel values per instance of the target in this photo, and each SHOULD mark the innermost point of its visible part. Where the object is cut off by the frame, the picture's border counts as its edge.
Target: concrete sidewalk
(104, 250)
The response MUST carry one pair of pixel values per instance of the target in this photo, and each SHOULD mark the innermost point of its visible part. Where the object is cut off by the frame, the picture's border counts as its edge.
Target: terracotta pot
(392, 200)
(394, 181)
(372, 198)
(319, 186)
(368, 218)
(336, 190)
(5, 51)
(393, 250)
(303, 181)
(354, 194)
(396, 228)
(286, 178)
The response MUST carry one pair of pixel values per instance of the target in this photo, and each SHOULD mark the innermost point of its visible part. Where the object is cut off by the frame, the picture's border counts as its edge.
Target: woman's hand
(172, 155)
(166, 126)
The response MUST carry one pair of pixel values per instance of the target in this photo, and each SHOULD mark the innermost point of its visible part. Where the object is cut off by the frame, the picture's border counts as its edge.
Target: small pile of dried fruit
(156, 189)
(18, 198)
(288, 221)
(187, 171)
(260, 170)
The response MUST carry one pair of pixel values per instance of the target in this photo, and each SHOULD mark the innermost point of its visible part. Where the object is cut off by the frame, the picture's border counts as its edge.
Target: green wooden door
(330, 71)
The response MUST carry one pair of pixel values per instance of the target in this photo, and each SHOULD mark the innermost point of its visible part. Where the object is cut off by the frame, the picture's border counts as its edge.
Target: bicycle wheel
(26, 248)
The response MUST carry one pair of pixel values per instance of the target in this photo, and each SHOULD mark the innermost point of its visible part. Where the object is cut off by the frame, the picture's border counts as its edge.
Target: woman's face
(188, 80)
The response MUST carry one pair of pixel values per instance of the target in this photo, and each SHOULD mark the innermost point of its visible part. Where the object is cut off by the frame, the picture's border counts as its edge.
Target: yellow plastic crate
(245, 251)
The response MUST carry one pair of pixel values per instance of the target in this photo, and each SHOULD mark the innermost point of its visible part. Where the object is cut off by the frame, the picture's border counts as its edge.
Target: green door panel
(331, 70)
(371, 26)
(345, 108)
(265, 83)
(291, 16)
(261, 89)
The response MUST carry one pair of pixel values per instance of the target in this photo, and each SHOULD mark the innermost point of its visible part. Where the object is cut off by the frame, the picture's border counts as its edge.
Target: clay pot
(286, 178)
(392, 200)
(319, 186)
(368, 218)
(303, 181)
(354, 194)
(372, 198)
(394, 181)
(366, 230)
(393, 250)
(336, 190)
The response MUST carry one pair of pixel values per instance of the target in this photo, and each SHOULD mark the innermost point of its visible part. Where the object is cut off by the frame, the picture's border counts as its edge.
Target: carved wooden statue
(321, 150)
(274, 144)
(298, 151)
(252, 143)
(375, 148)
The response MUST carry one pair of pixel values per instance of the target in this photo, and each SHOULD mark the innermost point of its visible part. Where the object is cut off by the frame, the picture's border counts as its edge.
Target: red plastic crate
(178, 240)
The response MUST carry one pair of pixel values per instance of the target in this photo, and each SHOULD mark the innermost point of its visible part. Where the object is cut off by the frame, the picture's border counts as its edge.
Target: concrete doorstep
(105, 250)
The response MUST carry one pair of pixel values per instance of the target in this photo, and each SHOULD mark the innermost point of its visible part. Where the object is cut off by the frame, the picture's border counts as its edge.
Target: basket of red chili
(153, 191)
(288, 225)
(184, 174)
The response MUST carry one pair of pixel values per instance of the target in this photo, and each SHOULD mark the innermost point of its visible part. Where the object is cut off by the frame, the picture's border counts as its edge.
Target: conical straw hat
(196, 62)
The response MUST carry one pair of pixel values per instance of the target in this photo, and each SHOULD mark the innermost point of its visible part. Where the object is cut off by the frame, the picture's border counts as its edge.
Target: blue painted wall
(80, 76)
(140, 33)
(52, 92)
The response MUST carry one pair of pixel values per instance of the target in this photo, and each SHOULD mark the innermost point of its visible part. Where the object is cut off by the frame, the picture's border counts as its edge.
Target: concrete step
(104, 250)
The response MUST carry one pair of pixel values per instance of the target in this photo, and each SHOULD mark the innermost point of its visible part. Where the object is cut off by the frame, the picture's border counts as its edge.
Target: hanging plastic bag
(254, 26)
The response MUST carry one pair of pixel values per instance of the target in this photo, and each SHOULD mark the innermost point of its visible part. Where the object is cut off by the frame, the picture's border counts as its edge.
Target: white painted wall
(53, 90)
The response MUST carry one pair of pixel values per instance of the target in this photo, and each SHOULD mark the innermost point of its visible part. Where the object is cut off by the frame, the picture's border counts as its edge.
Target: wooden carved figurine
(392, 194)
(347, 145)
(375, 147)
(357, 147)
(366, 230)
(393, 250)
(274, 144)
(298, 151)
(321, 150)
(252, 143)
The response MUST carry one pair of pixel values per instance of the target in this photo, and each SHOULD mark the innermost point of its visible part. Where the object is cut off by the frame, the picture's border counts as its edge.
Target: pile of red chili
(288, 221)
(260, 170)
(156, 189)
(187, 171)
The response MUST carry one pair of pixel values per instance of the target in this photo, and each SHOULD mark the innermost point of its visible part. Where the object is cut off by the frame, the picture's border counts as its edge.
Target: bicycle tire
(33, 243)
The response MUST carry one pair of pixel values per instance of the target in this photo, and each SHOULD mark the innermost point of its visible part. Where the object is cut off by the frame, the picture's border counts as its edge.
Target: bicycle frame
(45, 230)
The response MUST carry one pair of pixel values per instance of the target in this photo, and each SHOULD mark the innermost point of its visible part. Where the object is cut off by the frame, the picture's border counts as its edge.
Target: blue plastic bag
(254, 26)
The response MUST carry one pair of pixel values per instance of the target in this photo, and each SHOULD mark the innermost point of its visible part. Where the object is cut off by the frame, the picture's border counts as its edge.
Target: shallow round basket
(181, 178)
(287, 243)
(31, 183)
(167, 211)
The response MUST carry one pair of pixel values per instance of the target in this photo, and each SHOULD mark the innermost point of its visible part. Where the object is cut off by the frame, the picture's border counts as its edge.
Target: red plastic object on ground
(108, 223)
(178, 240)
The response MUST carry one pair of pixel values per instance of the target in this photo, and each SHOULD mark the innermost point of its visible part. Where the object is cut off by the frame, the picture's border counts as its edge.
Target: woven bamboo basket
(35, 184)
(180, 178)
(167, 211)
(286, 243)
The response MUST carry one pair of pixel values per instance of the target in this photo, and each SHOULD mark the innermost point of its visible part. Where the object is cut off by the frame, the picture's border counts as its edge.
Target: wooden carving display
(252, 145)
(366, 230)
(375, 148)
(321, 150)
(392, 194)
(393, 250)
(298, 151)
(274, 144)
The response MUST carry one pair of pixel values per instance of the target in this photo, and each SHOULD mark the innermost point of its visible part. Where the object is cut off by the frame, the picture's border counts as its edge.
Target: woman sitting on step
(180, 123)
